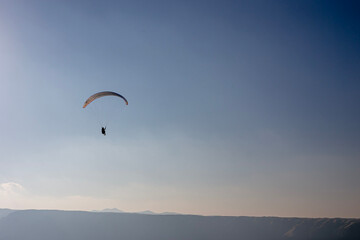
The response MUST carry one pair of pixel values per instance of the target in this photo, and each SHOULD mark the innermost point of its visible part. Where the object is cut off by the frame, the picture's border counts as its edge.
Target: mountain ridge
(79, 225)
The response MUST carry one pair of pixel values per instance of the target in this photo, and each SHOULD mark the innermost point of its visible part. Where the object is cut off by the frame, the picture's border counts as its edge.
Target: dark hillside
(60, 225)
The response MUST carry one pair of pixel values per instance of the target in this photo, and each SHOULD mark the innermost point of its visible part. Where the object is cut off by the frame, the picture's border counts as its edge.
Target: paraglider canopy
(103, 94)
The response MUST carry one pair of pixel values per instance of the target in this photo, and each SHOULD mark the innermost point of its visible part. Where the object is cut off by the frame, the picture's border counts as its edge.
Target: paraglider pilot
(103, 130)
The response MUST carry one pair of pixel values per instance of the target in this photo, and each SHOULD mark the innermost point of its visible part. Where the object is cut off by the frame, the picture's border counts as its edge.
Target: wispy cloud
(9, 189)
(13, 195)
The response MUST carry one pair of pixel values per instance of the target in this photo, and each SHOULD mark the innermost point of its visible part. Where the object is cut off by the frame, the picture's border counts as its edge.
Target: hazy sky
(235, 107)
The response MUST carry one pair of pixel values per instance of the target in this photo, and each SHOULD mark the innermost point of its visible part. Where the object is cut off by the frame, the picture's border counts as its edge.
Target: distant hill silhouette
(115, 210)
(77, 225)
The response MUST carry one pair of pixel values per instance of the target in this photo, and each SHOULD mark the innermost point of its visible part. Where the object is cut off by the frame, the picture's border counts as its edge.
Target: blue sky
(235, 108)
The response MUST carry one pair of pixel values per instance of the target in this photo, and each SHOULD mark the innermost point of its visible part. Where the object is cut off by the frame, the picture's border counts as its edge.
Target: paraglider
(103, 94)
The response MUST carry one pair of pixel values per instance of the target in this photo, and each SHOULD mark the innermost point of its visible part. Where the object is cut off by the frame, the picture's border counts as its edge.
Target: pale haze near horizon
(236, 108)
